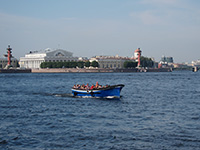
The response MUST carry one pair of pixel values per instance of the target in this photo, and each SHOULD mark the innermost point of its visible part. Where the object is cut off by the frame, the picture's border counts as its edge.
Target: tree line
(72, 64)
(130, 64)
(144, 62)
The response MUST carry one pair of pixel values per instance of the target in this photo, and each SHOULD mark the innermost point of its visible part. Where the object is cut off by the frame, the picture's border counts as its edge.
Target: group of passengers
(87, 87)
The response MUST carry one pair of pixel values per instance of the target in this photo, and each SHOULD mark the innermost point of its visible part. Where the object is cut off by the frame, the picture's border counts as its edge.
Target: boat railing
(101, 88)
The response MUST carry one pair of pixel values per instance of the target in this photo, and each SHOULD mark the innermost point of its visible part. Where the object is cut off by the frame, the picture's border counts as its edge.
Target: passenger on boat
(92, 87)
(82, 86)
(77, 86)
(97, 85)
(87, 87)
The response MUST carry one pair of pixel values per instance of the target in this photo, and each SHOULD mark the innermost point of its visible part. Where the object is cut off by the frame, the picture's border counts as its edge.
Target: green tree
(54, 65)
(130, 64)
(59, 64)
(72, 64)
(49, 65)
(87, 64)
(42, 65)
(45, 65)
(95, 64)
(146, 62)
(80, 64)
(66, 64)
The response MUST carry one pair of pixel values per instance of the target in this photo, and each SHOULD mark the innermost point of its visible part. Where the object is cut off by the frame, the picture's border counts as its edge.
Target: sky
(102, 27)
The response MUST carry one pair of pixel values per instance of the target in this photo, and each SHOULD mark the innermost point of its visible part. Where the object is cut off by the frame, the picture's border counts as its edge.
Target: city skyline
(107, 27)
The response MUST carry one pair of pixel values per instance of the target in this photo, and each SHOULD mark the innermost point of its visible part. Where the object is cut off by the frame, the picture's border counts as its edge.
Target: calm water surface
(156, 111)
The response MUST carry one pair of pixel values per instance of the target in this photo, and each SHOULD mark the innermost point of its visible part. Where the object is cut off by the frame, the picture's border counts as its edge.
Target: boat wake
(54, 94)
(63, 95)
(103, 98)
(71, 95)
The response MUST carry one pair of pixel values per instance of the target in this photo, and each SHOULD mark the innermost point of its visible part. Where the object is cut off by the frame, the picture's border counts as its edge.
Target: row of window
(59, 60)
(110, 61)
(110, 66)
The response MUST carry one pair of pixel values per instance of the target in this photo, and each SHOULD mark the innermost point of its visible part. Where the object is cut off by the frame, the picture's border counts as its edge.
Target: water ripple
(156, 111)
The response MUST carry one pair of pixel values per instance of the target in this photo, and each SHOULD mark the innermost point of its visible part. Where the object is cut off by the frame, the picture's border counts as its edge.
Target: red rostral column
(9, 55)
(138, 55)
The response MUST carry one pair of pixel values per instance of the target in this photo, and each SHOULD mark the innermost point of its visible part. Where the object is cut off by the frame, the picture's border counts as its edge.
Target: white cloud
(147, 17)
(160, 2)
(167, 13)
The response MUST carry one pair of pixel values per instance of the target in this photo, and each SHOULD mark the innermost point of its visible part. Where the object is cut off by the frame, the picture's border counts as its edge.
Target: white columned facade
(34, 59)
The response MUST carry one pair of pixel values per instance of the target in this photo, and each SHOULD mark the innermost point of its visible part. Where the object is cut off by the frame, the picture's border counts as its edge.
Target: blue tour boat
(105, 92)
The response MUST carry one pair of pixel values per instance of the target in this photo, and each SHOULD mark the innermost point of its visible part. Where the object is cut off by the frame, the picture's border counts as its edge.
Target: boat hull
(112, 91)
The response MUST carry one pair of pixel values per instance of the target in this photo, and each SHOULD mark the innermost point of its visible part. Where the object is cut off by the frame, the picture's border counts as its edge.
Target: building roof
(111, 57)
(50, 53)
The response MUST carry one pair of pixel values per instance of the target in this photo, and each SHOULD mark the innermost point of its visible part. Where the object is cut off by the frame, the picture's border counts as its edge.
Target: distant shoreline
(83, 70)
(97, 70)
(15, 70)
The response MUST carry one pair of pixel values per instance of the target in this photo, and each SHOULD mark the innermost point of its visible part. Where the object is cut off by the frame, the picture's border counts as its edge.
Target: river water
(155, 111)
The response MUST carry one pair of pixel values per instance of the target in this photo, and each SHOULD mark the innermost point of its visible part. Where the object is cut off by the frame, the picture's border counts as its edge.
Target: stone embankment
(15, 70)
(97, 70)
